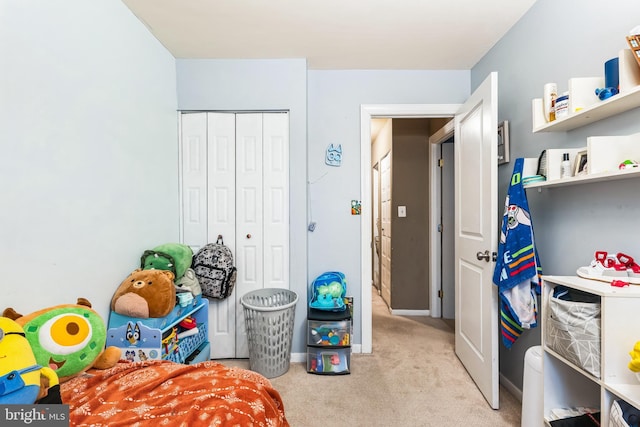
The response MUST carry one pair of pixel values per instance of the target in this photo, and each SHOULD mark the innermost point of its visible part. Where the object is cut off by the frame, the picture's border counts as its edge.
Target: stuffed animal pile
(48, 347)
(164, 276)
(22, 380)
(42, 349)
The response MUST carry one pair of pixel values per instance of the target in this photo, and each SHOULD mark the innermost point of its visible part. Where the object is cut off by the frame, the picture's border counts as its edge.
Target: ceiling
(334, 35)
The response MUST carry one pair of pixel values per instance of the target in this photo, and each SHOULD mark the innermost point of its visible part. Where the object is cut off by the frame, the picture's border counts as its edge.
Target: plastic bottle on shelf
(562, 106)
(566, 166)
(549, 100)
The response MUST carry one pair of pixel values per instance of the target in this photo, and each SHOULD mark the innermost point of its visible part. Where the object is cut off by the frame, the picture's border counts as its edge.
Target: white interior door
(476, 233)
(385, 229)
(234, 174)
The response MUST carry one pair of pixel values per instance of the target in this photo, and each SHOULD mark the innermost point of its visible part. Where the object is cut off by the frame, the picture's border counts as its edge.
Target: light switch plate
(402, 211)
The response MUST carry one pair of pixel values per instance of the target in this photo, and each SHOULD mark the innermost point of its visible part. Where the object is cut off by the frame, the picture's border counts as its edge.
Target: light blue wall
(553, 42)
(89, 155)
(241, 85)
(335, 98)
(333, 116)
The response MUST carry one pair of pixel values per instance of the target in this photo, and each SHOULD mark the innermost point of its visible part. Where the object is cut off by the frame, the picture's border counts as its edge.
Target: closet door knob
(248, 236)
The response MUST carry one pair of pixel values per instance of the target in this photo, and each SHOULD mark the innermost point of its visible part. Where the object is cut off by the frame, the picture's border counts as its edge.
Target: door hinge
(441, 163)
(440, 228)
(440, 294)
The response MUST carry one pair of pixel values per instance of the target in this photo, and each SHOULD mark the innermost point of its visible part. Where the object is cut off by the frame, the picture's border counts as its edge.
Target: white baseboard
(298, 357)
(395, 312)
(511, 387)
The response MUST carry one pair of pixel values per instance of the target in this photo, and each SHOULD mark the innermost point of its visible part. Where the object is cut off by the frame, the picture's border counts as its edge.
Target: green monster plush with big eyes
(68, 338)
(335, 289)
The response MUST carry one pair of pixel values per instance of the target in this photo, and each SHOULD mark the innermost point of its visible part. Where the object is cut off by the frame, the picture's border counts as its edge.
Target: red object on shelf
(188, 323)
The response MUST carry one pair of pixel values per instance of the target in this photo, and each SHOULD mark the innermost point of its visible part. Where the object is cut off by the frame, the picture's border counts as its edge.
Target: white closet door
(275, 186)
(193, 174)
(235, 182)
(221, 220)
(249, 214)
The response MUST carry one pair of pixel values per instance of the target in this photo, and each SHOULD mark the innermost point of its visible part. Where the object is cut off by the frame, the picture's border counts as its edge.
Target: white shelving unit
(585, 179)
(567, 385)
(610, 107)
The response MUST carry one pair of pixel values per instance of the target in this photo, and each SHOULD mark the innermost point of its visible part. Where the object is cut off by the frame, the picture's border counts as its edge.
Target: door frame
(367, 112)
(375, 173)
(439, 185)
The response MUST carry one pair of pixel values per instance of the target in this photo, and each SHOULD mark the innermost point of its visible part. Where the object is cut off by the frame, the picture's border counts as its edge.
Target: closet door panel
(193, 164)
(221, 178)
(221, 206)
(276, 199)
(249, 207)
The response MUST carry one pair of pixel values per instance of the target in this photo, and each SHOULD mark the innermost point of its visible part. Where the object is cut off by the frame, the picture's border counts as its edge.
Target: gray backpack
(213, 265)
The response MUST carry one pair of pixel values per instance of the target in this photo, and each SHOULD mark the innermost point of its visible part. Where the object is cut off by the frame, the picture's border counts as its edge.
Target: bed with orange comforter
(161, 393)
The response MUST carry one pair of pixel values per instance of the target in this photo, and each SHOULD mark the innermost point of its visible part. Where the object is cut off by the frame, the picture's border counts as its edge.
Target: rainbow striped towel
(517, 271)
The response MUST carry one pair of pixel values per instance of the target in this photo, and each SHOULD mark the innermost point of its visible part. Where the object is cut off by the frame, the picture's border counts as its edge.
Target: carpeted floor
(412, 378)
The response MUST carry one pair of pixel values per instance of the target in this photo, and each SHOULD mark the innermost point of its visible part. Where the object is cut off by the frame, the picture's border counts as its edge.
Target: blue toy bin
(328, 291)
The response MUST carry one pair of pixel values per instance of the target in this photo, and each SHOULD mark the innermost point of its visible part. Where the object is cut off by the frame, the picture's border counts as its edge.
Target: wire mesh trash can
(269, 315)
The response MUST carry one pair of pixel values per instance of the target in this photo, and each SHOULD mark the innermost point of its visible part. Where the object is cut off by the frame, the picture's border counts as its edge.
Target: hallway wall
(410, 235)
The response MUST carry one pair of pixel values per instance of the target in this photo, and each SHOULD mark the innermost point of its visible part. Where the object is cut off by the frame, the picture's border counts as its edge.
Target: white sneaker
(598, 271)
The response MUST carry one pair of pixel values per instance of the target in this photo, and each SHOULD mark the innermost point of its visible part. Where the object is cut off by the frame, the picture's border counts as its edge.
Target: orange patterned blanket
(161, 393)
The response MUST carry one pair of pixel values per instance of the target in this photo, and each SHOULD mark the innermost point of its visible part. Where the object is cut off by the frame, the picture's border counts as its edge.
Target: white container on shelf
(629, 70)
(605, 153)
(582, 92)
(554, 161)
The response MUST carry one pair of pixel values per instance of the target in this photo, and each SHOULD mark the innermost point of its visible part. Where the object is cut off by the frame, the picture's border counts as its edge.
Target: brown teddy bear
(145, 293)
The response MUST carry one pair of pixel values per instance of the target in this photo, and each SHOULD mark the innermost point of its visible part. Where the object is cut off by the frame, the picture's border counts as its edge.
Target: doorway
(367, 112)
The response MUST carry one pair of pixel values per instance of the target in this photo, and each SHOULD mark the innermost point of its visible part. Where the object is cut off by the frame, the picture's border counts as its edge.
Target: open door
(476, 237)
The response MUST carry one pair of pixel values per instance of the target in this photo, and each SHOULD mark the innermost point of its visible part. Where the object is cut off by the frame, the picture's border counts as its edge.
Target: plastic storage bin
(329, 341)
(269, 318)
(573, 329)
(328, 333)
(324, 360)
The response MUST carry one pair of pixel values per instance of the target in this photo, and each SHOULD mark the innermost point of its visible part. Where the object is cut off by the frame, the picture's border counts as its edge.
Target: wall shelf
(610, 107)
(586, 179)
